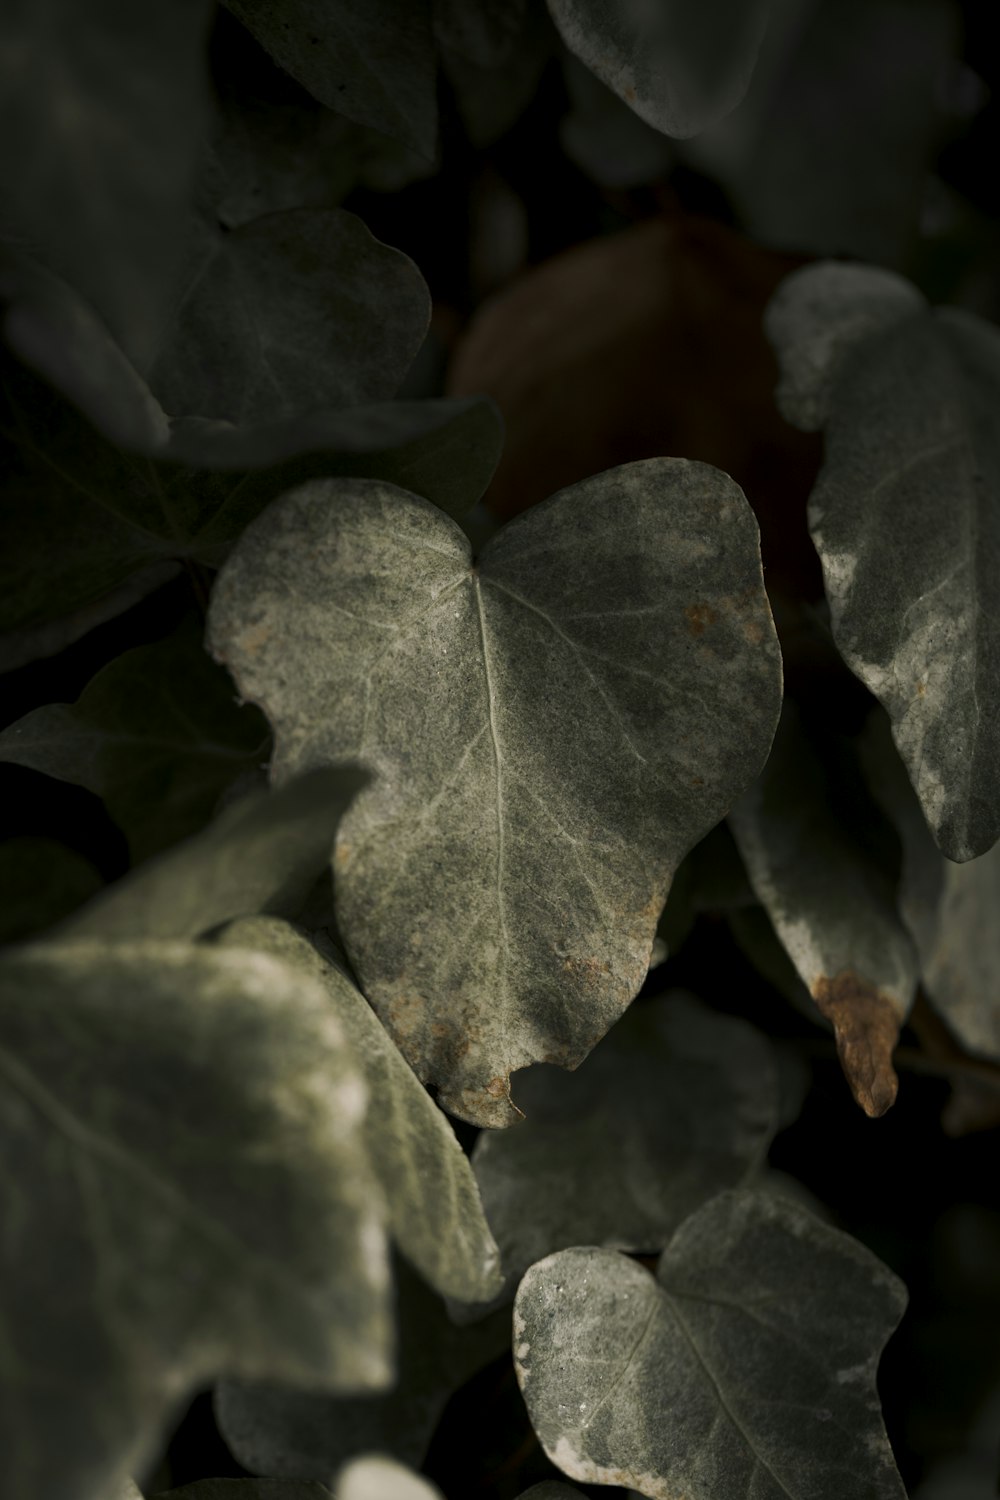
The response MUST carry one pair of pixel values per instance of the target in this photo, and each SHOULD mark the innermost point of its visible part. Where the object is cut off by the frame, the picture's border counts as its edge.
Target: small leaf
(188, 1195)
(371, 60)
(566, 718)
(261, 854)
(905, 522)
(680, 64)
(833, 908)
(746, 1367)
(41, 881)
(675, 1104)
(157, 733)
(278, 1431)
(436, 1215)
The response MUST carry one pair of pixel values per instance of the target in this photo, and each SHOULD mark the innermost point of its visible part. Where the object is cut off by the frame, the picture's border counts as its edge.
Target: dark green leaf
(104, 108)
(565, 719)
(747, 1367)
(371, 60)
(485, 32)
(261, 854)
(905, 519)
(680, 65)
(157, 733)
(187, 1195)
(491, 99)
(41, 881)
(248, 1489)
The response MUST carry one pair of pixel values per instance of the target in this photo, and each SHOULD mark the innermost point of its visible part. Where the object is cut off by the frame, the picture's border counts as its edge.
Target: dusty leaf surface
(188, 1194)
(746, 1367)
(565, 719)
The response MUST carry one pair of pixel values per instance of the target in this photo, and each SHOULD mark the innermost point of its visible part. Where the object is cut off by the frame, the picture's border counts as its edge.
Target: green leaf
(680, 64)
(436, 1215)
(675, 1104)
(371, 60)
(832, 905)
(746, 1367)
(157, 733)
(126, 1490)
(485, 32)
(261, 854)
(41, 881)
(566, 718)
(188, 1195)
(490, 100)
(904, 518)
(605, 138)
(294, 312)
(279, 1431)
(104, 111)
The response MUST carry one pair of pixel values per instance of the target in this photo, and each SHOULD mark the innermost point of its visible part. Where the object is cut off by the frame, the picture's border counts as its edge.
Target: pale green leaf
(680, 64)
(262, 853)
(187, 1195)
(566, 719)
(436, 1215)
(746, 1367)
(675, 1104)
(41, 881)
(157, 734)
(378, 1478)
(833, 907)
(127, 1489)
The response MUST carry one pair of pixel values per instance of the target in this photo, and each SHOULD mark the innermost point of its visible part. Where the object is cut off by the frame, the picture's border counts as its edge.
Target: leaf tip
(866, 1027)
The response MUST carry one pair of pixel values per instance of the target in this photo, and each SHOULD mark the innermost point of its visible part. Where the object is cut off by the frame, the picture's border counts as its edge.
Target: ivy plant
(500, 621)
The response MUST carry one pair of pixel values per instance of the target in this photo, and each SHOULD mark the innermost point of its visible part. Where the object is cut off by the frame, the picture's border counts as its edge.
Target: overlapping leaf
(676, 1104)
(906, 519)
(483, 31)
(553, 728)
(187, 1194)
(747, 1367)
(157, 733)
(41, 881)
(679, 64)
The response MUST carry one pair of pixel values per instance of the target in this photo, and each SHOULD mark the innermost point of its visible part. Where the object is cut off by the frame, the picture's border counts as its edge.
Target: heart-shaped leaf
(680, 64)
(565, 719)
(747, 1367)
(188, 1195)
(832, 905)
(906, 522)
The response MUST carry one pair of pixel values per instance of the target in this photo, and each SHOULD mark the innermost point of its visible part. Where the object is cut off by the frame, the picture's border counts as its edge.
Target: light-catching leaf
(680, 64)
(371, 60)
(41, 881)
(126, 1490)
(104, 108)
(284, 1432)
(833, 908)
(553, 728)
(906, 520)
(435, 1212)
(747, 1367)
(157, 733)
(262, 853)
(188, 1195)
(675, 1104)
(379, 1478)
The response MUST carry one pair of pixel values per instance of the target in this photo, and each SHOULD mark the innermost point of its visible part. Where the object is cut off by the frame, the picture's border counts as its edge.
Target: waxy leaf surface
(679, 64)
(188, 1195)
(552, 729)
(832, 906)
(157, 733)
(745, 1368)
(675, 1104)
(905, 516)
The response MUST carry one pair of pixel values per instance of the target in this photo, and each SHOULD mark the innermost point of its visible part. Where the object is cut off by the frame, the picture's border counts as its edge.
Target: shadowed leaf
(41, 881)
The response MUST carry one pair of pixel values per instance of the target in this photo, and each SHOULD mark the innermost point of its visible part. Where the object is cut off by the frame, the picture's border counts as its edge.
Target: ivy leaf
(188, 1195)
(911, 434)
(295, 311)
(104, 111)
(746, 1367)
(278, 1431)
(157, 733)
(680, 65)
(832, 906)
(261, 854)
(676, 1104)
(566, 718)
(436, 1215)
(41, 881)
(371, 60)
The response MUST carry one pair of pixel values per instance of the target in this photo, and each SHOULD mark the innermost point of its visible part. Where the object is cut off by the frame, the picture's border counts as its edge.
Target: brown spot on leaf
(497, 1087)
(698, 616)
(921, 689)
(866, 1028)
(630, 93)
(258, 636)
(753, 630)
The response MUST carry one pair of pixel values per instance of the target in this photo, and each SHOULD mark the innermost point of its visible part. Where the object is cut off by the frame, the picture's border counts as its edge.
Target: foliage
(503, 698)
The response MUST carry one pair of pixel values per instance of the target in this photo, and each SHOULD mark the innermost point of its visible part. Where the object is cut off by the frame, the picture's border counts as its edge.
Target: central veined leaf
(551, 728)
